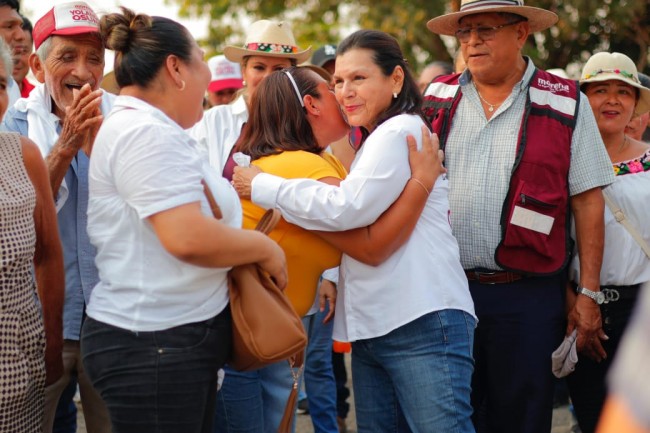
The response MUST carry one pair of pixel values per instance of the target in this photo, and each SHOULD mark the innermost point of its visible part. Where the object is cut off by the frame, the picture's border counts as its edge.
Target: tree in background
(584, 26)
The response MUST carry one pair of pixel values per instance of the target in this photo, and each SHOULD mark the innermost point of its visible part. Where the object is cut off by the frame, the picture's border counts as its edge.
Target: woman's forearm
(375, 243)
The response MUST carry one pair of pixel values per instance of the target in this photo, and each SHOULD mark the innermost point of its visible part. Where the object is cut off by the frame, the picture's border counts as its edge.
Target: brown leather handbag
(266, 328)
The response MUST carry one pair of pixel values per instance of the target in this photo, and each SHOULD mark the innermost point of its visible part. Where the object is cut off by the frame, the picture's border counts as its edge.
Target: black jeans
(158, 382)
(587, 385)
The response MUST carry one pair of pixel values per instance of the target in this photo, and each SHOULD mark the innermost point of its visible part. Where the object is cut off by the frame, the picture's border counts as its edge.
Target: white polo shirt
(423, 276)
(144, 163)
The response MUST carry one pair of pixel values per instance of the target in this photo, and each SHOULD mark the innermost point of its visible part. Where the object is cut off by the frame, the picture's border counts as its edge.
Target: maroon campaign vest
(535, 218)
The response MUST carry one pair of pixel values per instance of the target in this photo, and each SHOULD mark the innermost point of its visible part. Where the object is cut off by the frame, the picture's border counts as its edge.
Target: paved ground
(563, 421)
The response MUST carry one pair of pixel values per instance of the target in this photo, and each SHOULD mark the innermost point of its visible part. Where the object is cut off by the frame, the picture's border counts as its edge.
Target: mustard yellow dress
(307, 254)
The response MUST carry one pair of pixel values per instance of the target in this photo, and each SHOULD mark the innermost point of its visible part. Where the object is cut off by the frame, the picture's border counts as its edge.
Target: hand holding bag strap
(622, 219)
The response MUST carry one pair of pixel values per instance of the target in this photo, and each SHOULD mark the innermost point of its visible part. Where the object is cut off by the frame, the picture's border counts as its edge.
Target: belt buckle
(480, 274)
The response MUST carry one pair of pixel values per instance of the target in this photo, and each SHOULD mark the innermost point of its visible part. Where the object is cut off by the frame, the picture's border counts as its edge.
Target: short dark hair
(387, 55)
(13, 4)
(142, 44)
(276, 121)
(27, 24)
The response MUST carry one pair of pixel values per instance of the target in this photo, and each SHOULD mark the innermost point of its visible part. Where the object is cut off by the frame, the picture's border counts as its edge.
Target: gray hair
(5, 57)
(44, 49)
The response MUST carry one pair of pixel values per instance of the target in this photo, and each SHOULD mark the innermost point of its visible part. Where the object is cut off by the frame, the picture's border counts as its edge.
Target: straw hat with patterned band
(268, 38)
(538, 19)
(616, 66)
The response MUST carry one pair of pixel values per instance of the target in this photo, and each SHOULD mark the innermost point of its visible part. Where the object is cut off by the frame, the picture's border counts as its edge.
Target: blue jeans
(253, 401)
(158, 382)
(65, 418)
(318, 375)
(418, 374)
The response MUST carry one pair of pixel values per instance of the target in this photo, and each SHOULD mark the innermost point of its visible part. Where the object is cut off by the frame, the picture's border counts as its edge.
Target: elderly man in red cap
(524, 158)
(62, 115)
(226, 80)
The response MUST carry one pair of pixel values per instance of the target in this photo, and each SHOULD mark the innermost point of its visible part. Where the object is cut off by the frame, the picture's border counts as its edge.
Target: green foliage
(584, 26)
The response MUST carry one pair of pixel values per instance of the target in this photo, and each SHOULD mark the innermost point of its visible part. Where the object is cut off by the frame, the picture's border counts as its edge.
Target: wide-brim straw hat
(271, 39)
(616, 66)
(538, 19)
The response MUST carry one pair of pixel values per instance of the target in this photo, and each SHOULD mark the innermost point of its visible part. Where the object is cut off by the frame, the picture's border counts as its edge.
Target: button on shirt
(78, 253)
(480, 154)
(422, 276)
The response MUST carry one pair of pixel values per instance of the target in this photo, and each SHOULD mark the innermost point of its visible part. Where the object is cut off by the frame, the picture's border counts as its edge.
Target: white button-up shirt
(218, 131)
(423, 276)
(144, 163)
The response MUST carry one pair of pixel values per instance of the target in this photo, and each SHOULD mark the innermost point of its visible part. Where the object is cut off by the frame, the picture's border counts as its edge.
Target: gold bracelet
(418, 181)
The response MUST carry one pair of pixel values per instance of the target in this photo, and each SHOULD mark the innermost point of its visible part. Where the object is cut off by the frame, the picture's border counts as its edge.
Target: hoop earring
(182, 86)
(394, 95)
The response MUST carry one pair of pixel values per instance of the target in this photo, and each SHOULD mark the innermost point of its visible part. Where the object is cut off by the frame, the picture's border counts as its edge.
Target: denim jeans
(158, 382)
(65, 417)
(318, 375)
(418, 374)
(253, 401)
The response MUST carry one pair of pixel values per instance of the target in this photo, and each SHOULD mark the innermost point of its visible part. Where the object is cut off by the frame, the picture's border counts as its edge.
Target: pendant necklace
(491, 107)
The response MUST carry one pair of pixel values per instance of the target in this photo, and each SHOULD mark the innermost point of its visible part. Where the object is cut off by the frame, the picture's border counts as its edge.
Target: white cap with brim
(538, 19)
(616, 66)
(269, 39)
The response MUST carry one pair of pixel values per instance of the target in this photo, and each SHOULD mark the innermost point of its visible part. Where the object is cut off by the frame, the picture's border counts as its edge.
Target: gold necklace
(491, 107)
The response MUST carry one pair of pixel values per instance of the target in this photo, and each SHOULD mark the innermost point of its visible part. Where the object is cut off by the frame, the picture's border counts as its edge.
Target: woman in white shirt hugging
(158, 326)
(411, 319)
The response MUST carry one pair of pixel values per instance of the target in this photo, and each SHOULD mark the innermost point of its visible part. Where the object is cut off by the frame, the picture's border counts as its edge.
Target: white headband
(295, 86)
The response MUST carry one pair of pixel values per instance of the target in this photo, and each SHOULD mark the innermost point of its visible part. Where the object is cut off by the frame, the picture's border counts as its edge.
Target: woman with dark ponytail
(158, 326)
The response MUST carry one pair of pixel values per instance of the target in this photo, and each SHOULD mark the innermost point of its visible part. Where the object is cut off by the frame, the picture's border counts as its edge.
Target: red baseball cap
(73, 18)
(225, 74)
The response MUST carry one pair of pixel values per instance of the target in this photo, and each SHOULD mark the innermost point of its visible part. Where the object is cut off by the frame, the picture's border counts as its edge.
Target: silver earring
(243, 83)
(394, 95)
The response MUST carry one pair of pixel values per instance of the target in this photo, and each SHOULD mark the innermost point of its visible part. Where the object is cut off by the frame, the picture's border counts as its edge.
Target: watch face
(600, 297)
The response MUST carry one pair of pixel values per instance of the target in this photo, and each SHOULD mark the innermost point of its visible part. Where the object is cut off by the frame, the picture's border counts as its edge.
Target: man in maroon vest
(524, 156)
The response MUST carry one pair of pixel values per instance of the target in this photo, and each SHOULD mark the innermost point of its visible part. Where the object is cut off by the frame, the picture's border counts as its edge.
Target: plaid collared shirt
(480, 154)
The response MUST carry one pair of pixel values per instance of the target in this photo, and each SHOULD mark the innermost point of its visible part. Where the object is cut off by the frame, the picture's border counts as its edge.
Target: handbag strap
(622, 219)
(214, 206)
(266, 224)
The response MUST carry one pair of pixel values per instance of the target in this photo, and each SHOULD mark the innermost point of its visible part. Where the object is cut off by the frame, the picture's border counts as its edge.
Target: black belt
(493, 277)
(620, 293)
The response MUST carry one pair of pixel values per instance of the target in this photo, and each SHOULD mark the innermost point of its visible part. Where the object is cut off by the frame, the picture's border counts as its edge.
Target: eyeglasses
(484, 33)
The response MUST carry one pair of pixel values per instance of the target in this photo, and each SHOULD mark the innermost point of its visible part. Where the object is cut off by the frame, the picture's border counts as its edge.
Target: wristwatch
(598, 297)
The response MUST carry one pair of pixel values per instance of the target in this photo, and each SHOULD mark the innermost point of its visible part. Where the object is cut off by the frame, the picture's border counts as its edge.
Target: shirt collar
(239, 106)
(130, 102)
(466, 77)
